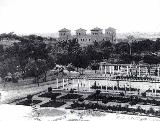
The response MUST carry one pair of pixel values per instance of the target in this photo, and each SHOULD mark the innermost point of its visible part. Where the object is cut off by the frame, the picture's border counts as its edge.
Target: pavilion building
(84, 39)
(129, 69)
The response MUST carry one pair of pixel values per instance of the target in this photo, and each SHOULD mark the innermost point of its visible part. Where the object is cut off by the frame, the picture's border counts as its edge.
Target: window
(77, 40)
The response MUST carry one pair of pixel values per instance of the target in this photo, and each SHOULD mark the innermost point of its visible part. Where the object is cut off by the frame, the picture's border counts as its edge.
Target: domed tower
(96, 34)
(64, 34)
(110, 35)
(80, 32)
(82, 38)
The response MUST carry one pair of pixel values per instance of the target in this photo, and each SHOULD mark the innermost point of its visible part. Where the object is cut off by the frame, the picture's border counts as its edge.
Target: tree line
(32, 57)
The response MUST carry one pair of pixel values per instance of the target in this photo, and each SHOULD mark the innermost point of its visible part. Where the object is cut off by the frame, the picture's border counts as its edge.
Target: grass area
(28, 103)
(54, 104)
(71, 96)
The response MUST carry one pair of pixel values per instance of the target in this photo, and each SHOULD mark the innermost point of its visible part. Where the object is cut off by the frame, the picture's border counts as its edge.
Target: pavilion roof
(64, 30)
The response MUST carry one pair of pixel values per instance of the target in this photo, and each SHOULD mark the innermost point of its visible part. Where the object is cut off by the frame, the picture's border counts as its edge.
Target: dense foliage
(31, 56)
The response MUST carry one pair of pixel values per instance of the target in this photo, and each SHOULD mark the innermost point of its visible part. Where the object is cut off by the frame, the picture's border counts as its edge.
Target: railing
(131, 79)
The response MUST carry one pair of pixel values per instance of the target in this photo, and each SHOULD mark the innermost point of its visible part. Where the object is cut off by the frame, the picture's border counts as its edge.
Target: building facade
(64, 34)
(84, 39)
(110, 35)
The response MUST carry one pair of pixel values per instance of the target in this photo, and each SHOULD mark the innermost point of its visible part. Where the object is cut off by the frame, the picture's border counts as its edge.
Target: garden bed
(28, 103)
(71, 96)
(54, 104)
(49, 95)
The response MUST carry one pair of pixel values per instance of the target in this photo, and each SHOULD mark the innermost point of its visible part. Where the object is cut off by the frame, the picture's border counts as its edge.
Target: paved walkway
(10, 95)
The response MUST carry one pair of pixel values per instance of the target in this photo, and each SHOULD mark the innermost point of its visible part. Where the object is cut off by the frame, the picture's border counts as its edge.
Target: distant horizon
(119, 35)
(88, 32)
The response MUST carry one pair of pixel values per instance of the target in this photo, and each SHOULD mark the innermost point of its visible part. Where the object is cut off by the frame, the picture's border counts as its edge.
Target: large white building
(85, 39)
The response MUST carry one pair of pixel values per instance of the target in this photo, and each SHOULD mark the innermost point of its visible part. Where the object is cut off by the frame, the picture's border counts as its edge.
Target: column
(73, 83)
(89, 84)
(106, 83)
(146, 71)
(110, 69)
(78, 81)
(78, 85)
(158, 71)
(127, 70)
(118, 69)
(113, 87)
(139, 70)
(155, 89)
(105, 69)
(101, 69)
(63, 83)
(57, 82)
(67, 82)
(113, 69)
(130, 70)
(130, 85)
(84, 81)
(125, 87)
(101, 86)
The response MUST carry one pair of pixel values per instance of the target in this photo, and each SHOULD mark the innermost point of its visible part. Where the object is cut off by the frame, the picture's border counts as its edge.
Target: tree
(70, 68)
(97, 93)
(126, 58)
(30, 99)
(122, 48)
(94, 66)
(39, 67)
(156, 46)
(136, 58)
(107, 49)
(151, 59)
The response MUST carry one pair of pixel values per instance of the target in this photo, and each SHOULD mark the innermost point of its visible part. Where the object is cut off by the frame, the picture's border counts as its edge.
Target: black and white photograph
(79, 60)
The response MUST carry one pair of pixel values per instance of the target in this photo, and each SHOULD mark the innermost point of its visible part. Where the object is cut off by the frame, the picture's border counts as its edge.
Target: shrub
(121, 94)
(151, 111)
(80, 99)
(104, 100)
(53, 98)
(71, 90)
(49, 89)
(143, 94)
(29, 98)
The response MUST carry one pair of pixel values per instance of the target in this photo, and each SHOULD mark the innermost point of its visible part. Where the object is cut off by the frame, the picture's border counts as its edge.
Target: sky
(49, 16)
